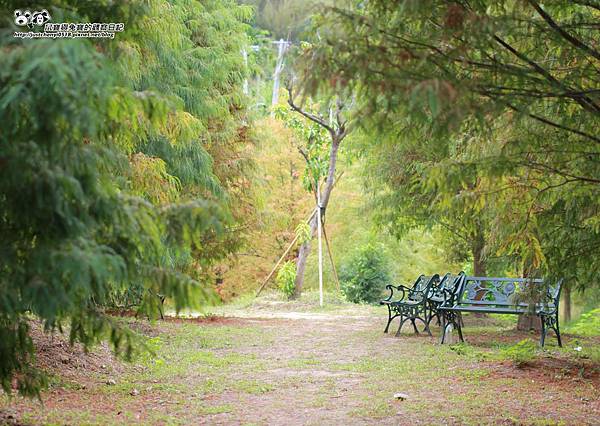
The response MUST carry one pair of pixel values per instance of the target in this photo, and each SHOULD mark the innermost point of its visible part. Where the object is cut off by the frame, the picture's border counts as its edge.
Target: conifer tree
(107, 174)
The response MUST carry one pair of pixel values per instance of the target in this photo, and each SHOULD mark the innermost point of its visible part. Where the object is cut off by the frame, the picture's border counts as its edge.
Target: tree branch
(312, 117)
(587, 103)
(553, 124)
(571, 39)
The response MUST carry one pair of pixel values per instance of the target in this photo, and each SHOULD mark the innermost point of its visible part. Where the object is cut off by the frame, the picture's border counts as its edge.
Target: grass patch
(374, 408)
(253, 387)
(216, 409)
(302, 363)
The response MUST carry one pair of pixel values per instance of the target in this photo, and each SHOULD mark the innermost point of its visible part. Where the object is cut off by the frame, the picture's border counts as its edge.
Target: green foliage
(587, 325)
(110, 186)
(314, 145)
(520, 353)
(286, 277)
(303, 233)
(483, 87)
(365, 274)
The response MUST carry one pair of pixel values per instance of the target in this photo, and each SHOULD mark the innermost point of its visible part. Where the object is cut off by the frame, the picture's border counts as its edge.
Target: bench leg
(390, 318)
(448, 319)
(459, 328)
(557, 330)
(387, 327)
(426, 321)
(402, 321)
(428, 314)
(428, 330)
(550, 322)
(543, 332)
(445, 325)
(432, 313)
(414, 325)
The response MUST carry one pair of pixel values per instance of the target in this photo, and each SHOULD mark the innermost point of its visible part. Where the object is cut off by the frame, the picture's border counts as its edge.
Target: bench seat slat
(486, 309)
(484, 303)
(404, 302)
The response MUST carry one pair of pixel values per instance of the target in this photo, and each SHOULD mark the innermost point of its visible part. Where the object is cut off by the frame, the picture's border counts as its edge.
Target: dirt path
(300, 368)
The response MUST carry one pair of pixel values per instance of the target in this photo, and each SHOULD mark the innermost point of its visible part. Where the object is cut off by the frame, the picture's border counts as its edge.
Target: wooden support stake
(281, 258)
(335, 275)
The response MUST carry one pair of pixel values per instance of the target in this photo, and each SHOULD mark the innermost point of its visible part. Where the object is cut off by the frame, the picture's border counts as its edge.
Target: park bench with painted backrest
(501, 296)
(411, 303)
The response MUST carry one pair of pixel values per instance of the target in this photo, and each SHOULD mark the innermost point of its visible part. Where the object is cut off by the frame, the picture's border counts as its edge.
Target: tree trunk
(305, 248)
(566, 291)
(529, 322)
(302, 258)
(479, 266)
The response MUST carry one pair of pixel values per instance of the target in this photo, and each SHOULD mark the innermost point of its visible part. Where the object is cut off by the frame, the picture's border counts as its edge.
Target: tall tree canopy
(118, 162)
(507, 91)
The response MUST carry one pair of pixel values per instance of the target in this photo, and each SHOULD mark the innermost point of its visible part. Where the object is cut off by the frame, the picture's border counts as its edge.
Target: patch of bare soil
(56, 355)
(71, 370)
(551, 370)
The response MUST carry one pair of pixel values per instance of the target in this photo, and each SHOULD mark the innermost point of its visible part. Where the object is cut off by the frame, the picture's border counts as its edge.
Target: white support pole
(320, 245)
(245, 56)
(281, 49)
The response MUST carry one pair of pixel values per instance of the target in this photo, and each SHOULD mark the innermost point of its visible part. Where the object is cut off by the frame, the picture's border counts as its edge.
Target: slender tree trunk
(479, 266)
(567, 302)
(302, 258)
(326, 193)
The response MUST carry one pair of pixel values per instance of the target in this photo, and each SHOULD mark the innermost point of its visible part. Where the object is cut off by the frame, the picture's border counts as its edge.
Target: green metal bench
(498, 296)
(412, 303)
(442, 292)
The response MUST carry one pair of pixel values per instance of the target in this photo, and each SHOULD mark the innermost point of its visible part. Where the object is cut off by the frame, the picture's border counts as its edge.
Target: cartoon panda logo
(22, 17)
(39, 18)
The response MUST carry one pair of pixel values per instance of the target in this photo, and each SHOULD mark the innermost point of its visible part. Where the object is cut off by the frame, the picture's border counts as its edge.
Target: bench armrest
(399, 288)
(420, 293)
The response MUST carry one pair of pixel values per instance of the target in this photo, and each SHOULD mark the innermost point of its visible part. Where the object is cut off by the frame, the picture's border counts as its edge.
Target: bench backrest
(423, 285)
(502, 291)
(448, 285)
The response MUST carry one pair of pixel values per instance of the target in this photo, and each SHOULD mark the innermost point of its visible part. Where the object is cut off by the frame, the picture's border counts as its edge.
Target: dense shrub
(365, 274)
